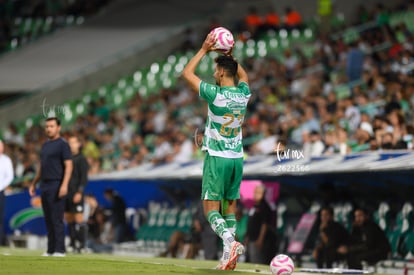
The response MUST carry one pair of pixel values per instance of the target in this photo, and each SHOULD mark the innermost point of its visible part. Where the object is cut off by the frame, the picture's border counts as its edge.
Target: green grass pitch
(22, 261)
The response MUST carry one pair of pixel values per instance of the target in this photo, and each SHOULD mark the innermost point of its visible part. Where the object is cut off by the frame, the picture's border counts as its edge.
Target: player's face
(52, 129)
(74, 145)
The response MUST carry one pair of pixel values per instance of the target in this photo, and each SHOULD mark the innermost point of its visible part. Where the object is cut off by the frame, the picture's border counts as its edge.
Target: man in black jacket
(368, 242)
(331, 235)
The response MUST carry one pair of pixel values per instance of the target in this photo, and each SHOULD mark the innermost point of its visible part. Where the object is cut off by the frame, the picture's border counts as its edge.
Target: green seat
(145, 230)
(382, 217)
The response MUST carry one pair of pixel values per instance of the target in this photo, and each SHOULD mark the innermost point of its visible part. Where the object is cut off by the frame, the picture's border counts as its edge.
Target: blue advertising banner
(25, 214)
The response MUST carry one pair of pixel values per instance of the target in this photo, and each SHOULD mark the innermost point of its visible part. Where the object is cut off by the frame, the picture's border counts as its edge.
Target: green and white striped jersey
(226, 111)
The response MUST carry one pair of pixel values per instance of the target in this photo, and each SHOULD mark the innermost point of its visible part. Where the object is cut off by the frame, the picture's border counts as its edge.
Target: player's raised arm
(189, 70)
(242, 75)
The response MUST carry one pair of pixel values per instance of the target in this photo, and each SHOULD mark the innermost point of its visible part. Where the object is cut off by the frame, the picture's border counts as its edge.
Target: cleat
(236, 250)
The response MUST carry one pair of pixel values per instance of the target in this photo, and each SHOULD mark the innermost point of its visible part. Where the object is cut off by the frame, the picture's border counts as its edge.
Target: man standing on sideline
(74, 201)
(6, 178)
(54, 171)
(223, 163)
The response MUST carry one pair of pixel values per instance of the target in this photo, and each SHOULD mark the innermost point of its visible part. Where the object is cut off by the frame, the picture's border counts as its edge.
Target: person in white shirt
(6, 178)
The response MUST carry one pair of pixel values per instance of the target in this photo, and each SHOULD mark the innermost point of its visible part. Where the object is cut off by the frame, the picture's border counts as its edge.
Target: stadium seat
(402, 231)
(382, 217)
(281, 218)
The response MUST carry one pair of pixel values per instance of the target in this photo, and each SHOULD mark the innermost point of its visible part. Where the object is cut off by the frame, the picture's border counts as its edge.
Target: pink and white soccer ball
(282, 265)
(224, 39)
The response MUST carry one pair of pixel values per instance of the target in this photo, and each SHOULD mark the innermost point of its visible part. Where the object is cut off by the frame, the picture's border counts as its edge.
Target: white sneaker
(58, 254)
(46, 254)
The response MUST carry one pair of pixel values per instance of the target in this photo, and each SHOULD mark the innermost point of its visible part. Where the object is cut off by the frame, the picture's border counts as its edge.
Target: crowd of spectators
(345, 97)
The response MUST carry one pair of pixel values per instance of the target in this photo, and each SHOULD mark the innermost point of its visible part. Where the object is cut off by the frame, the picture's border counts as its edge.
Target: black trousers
(327, 256)
(2, 206)
(371, 256)
(53, 210)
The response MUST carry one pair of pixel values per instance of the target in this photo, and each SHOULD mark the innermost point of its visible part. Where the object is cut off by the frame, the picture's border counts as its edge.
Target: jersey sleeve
(208, 91)
(244, 87)
(66, 153)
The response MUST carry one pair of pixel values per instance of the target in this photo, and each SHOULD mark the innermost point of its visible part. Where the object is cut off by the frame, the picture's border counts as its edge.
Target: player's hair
(55, 119)
(228, 63)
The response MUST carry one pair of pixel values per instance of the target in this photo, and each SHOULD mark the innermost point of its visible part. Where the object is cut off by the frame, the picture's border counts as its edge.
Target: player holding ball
(223, 163)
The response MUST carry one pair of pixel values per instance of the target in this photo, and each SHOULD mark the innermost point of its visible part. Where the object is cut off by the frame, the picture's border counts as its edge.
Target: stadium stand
(24, 22)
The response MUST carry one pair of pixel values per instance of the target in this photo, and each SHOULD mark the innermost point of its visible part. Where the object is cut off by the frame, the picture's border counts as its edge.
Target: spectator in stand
(368, 242)
(253, 22)
(271, 20)
(363, 137)
(355, 61)
(313, 145)
(292, 19)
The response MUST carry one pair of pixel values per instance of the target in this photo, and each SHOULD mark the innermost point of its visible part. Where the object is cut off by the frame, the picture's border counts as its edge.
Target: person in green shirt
(223, 162)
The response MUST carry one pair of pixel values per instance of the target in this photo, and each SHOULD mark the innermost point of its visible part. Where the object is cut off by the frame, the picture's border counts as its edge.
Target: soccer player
(54, 171)
(74, 201)
(223, 163)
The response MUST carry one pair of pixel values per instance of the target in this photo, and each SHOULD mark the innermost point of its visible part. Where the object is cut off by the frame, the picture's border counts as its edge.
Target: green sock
(231, 223)
(219, 226)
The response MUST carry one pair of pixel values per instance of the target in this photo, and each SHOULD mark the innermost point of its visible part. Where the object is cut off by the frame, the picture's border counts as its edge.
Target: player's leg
(58, 210)
(80, 224)
(47, 197)
(231, 195)
(70, 221)
(212, 193)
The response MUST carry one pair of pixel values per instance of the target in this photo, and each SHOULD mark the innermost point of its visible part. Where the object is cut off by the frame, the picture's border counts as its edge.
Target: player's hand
(63, 191)
(77, 197)
(209, 42)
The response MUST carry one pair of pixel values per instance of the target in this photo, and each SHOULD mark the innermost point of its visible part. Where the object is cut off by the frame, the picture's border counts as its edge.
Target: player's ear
(221, 72)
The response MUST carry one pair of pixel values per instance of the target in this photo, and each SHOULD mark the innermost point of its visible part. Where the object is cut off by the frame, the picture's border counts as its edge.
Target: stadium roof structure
(279, 166)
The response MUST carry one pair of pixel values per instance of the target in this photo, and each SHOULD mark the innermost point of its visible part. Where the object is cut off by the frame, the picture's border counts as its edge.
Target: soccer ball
(282, 265)
(224, 39)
